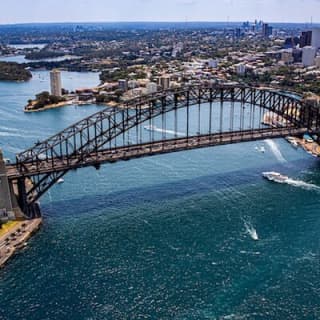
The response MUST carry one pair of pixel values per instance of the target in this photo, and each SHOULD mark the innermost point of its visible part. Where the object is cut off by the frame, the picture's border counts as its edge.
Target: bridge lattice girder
(93, 134)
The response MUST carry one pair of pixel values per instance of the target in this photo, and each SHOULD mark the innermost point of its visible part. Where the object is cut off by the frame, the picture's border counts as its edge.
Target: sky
(25, 11)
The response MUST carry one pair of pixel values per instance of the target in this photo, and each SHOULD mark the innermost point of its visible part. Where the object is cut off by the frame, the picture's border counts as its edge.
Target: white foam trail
(251, 231)
(156, 129)
(302, 184)
(9, 129)
(275, 150)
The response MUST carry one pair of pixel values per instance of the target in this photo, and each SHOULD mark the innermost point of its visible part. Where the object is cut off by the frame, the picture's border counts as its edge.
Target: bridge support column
(7, 210)
(32, 210)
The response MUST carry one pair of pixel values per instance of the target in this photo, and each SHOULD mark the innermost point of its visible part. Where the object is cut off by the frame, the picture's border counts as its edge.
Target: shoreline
(311, 147)
(14, 239)
(69, 104)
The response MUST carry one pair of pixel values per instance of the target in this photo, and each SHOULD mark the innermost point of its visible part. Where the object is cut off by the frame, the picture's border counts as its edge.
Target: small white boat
(292, 141)
(275, 177)
(60, 181)
(260, 149)
(254, 235)
(150, 128)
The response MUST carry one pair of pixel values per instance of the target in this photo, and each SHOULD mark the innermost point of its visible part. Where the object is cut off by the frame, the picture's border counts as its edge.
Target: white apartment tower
(315, 40)
(308, 56)
(55, 82)
(152, 87)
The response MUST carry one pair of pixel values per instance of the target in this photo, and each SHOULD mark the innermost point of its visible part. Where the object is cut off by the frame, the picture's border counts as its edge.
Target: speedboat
(292, 141)
(275, 177)
(150, 128)
(294, 144)
(60, 181)
(262, 150)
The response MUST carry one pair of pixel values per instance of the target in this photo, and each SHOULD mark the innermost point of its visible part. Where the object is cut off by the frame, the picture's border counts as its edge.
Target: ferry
(275, 177)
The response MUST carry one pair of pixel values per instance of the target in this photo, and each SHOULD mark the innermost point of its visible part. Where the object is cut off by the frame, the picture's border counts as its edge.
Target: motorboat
(150, 128)
(275, 177)
(292, 141)
(261, 149)
(60, 181)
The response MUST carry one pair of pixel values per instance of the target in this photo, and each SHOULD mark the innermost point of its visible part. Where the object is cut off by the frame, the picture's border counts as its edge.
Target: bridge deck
(148, 149)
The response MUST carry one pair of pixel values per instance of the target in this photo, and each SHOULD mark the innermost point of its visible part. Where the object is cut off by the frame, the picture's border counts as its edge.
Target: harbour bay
(163, 237)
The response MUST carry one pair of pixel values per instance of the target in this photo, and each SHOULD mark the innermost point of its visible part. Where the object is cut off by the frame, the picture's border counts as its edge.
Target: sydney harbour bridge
(167, 121)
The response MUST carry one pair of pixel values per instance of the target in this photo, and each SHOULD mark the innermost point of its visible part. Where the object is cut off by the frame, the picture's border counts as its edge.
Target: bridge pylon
(8, 204)
(13, 199)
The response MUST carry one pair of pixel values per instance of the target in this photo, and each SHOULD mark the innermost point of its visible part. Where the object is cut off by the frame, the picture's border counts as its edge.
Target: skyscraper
(266, 30)
(55, 82)
(164, 81)
(305, 39)
(123, 84)
(308, 55)
(315, 38)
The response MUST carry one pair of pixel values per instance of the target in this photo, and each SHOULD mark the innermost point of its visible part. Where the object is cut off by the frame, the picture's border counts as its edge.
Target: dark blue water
(167, 237)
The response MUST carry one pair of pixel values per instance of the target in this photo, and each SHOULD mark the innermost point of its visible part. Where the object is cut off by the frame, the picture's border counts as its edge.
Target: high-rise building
(266, 30)
(305, 39)
(151, 87)
(164, 82)
(315, 42)
(55, 83)
(308, 55)
(123, 84)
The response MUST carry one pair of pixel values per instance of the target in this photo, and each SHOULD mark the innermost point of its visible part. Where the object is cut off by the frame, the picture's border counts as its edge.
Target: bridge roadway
(147, 149)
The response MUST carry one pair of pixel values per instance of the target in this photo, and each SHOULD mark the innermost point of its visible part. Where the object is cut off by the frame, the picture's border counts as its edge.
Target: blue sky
(16, 11)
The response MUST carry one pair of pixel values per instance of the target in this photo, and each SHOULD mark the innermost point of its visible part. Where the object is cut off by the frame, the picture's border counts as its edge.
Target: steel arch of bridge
(85, 142)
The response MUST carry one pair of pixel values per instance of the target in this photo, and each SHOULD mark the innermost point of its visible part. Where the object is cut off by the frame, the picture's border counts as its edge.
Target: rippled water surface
(190, 235)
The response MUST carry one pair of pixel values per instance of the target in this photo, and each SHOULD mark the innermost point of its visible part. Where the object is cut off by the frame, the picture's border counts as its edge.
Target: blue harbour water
(166, 237)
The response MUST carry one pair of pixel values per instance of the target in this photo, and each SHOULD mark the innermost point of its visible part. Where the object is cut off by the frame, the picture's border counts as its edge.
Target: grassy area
(7, 227)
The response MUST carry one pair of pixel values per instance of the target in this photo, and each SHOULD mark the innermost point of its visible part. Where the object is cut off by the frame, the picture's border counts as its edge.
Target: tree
(42, 96)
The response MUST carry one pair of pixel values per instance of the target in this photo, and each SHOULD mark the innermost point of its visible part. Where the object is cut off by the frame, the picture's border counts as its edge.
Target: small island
(12, 71)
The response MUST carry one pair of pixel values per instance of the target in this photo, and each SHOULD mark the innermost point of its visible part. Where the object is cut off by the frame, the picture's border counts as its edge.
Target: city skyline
(301, 11)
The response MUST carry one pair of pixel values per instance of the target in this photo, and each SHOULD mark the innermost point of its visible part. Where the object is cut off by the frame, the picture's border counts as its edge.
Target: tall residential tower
(55, 82)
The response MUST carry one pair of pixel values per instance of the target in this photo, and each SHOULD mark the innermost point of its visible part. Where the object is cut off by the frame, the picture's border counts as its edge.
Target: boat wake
(251, 231)
(275, 150)
(156, 129)
(279, 178)
(302, 184)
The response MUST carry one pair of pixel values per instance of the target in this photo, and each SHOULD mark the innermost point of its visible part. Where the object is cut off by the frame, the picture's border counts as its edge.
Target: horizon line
(157, 21)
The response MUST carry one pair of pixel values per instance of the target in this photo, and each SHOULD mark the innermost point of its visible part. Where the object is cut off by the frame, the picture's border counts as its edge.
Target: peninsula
(12, 71)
